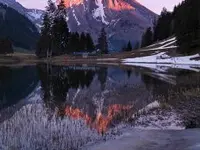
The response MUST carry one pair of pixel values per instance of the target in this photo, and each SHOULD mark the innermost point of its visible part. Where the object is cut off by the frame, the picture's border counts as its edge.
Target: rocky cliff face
(123, 19)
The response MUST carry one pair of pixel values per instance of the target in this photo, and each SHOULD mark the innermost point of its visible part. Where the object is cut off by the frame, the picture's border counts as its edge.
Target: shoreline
(132, 58)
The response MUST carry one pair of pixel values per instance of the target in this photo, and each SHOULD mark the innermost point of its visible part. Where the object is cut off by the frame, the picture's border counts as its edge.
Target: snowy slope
(163, 58)
(123, 20)
(33, 14)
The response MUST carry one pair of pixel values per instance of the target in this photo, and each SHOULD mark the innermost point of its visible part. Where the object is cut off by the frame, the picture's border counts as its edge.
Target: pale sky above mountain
(157, 5)
(154, 5)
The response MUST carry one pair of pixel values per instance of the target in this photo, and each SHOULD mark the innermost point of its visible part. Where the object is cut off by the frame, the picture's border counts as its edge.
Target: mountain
(34, 15)
(123, 19)
(18, 28)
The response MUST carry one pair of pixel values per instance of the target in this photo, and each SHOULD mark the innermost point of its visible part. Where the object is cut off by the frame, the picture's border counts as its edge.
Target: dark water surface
(66, 107)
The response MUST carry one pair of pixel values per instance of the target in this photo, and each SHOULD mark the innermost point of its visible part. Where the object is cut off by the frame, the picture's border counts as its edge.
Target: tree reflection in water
(57, 82)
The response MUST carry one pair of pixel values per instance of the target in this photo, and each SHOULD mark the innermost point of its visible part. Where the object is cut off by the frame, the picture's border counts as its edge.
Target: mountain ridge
(31, 14)
(17, 28)
(123, 20)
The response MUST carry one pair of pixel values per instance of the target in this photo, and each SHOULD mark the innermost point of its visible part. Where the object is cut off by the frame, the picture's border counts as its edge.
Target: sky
(154, 5)
(157, 5)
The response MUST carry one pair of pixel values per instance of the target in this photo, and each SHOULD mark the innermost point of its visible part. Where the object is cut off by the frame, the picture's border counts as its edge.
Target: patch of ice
(163, 58)
(164, 67)
(99, 12)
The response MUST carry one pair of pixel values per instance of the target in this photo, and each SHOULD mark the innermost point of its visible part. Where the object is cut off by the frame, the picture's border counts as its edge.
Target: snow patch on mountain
(35, 15)
(76, 18)
(99, 12)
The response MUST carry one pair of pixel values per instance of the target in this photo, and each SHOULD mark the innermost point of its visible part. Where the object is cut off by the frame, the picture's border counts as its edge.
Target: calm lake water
(67, 107)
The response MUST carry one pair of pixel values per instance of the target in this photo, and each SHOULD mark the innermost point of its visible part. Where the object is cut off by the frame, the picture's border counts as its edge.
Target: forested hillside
(17, 28)
(183, 22)
(56, 39)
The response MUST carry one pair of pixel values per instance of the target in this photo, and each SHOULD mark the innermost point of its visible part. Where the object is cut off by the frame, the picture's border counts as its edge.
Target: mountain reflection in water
(56, 83)
(100, 122)
(69, 106)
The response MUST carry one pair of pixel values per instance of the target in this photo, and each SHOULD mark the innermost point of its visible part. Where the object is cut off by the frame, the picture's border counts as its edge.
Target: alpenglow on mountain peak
(123, 20)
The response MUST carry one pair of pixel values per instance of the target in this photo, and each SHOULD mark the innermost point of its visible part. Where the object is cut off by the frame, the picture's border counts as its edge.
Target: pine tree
(163, 26)
(102, 42)
(187, 25)
(61, 11)
(77, 41)
(6, 46)
(50, 10)
(137, 46)
(83, 42)
(124, 48)
(90, 44)
(60, 31)
(44, 45)
(129, 46)
(147, 38)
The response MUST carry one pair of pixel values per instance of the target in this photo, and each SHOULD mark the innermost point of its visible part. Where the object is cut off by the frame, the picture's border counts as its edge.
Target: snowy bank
(162, 45)
(153, 117)
(163, 58)
(165, 67)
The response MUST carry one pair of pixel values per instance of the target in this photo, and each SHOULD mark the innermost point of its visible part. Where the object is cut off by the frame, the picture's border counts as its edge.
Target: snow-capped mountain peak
(123, 20)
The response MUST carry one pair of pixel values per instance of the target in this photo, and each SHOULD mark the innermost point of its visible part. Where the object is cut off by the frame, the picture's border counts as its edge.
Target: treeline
(129, 46)
(163, 27)
(56, 39)
(6, 46)
(183, 22)
(57, 81)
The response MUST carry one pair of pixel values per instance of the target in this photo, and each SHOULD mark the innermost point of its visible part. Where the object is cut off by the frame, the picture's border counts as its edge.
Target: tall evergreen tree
(44, 45)
(163, 26)
(83, 42)
(129, 46)
(90, 44)
(6, 46)
(124, 48)
(74, 41)
(60, 31)
(147, 38)
(102, 42)
(187, 25)
(137, 46)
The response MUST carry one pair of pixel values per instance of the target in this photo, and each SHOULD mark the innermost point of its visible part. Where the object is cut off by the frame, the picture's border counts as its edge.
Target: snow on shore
(163, 58)
(164, 67)
(153, 117)
(166, 44)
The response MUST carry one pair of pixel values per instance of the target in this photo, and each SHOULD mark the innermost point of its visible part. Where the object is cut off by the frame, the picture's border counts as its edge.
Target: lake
(68, 107)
